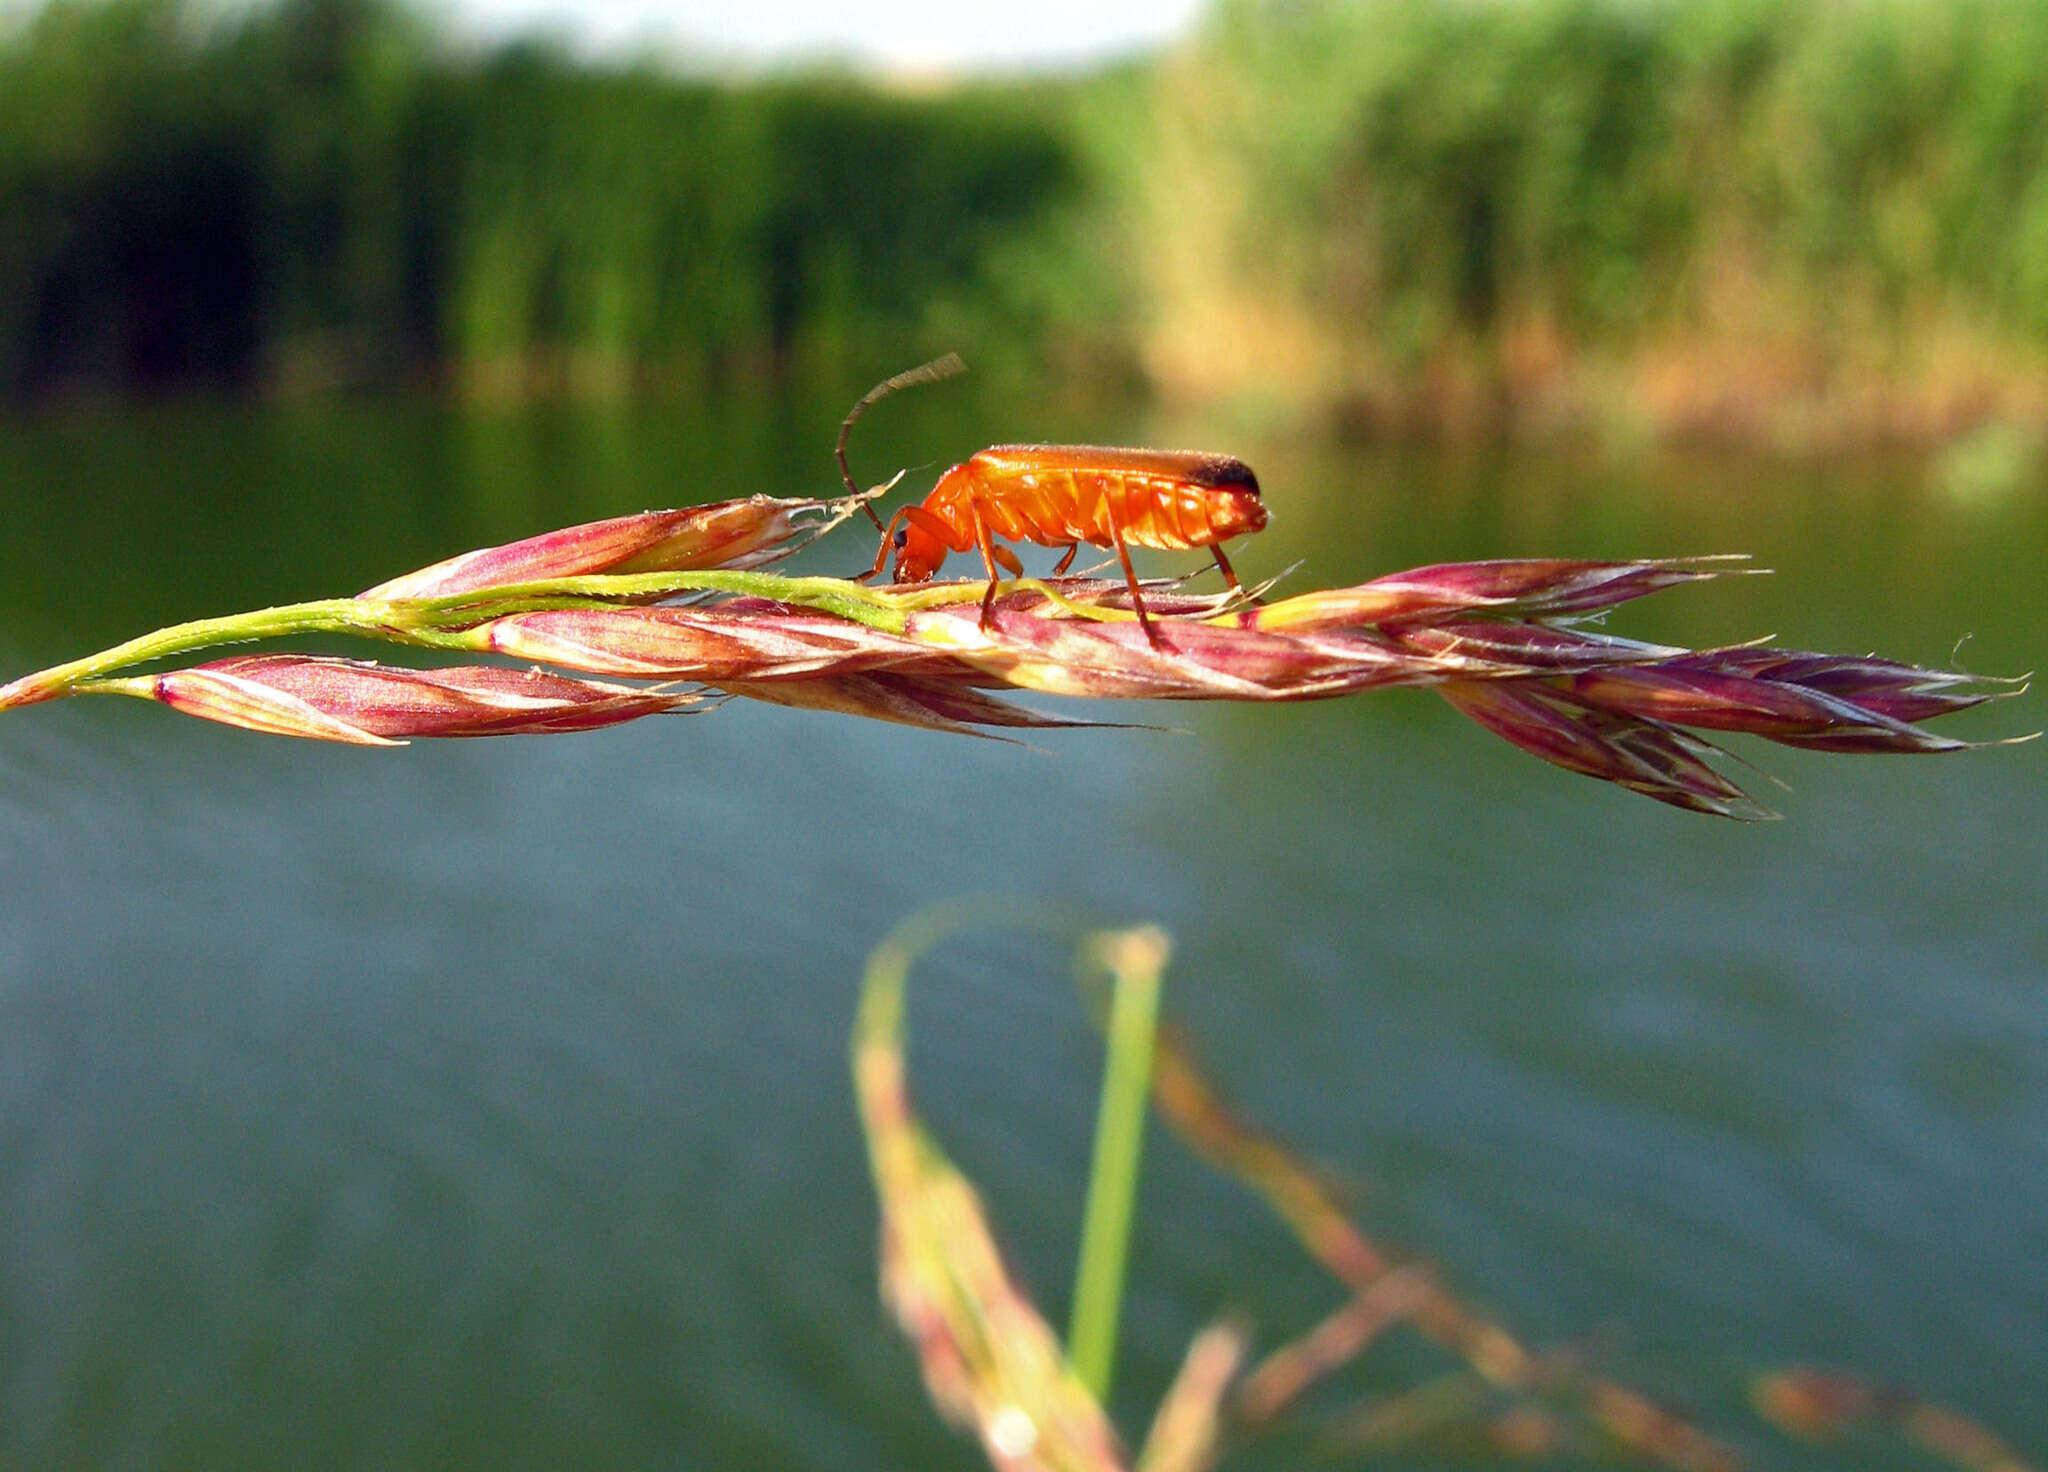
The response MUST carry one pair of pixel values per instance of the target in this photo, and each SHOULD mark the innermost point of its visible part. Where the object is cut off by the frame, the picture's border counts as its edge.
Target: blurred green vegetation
(1822, 219)
(1811, 222)
(326, 192)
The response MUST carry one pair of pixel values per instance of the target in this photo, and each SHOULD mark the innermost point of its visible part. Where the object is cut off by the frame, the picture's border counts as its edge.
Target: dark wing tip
(1217, 472)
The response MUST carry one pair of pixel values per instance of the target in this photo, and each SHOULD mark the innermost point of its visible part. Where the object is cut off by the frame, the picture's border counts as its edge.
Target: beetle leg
(882, 552)
(1066, 559)
(1123, 555)
(988, 560)
(1229, 572)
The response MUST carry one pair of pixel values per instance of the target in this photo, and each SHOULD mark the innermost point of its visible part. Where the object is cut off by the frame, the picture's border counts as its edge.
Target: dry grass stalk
(1811, 1403)
(1385, 1294)
(1821, 1404)
(1285, 1374)
(1187, 1430)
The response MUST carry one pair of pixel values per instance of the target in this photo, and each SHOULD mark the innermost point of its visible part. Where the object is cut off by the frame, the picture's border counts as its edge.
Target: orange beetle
(1061, 496)
(1064, 495)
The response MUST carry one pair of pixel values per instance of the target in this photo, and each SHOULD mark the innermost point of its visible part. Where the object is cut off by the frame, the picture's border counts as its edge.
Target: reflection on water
(485, 1105)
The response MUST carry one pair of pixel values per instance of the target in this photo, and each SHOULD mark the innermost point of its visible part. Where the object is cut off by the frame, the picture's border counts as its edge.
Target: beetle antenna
(949, 366)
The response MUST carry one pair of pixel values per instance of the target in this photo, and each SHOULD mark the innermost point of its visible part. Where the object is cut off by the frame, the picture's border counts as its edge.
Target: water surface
(486, 1104)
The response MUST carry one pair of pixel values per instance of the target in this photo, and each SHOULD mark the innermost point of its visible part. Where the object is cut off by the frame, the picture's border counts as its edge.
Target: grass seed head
(730, 534)
(710, 645)
(368, 704)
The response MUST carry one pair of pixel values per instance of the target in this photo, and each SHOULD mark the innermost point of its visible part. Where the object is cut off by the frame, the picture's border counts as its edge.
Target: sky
(898, 35)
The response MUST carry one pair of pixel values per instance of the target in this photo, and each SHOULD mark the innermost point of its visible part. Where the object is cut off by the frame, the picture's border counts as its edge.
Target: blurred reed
(1804, 224)
(1790, 223)
(324, 193)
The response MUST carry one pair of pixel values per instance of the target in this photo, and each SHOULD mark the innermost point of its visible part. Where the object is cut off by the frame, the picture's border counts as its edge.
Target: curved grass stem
(324, 616)
(438, 622)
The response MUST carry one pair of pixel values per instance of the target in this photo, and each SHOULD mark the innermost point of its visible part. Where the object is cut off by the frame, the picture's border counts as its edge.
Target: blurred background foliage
(1797, 223)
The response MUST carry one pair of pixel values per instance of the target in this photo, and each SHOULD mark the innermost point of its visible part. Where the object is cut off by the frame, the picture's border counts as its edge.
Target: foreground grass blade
(1135, 961)
(990, 1361)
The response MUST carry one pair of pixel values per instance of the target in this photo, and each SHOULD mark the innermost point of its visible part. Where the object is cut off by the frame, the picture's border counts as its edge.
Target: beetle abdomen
(1055, 494)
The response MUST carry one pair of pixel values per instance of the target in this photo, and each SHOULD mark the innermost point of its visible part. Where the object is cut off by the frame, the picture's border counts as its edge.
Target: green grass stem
(1136, 961)
(325, 616)
(440, 623)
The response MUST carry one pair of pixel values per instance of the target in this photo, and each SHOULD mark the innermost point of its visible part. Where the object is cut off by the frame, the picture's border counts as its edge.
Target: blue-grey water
(486, 1104)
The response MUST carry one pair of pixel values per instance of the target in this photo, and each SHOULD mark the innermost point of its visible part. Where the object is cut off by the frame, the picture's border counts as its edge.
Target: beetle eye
(902, 536)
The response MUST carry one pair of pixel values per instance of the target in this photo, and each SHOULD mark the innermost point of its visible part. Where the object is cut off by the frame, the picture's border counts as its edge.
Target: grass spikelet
(361, 703)
(712, 645)
(1809, 700)
(1518, 588)
(904, 700)
(731, 534)
(1646, 756)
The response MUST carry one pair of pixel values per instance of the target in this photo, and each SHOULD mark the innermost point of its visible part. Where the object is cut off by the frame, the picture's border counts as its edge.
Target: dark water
(486, 1104)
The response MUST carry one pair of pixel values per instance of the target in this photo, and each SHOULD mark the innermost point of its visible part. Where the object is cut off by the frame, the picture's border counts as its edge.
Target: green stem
(433, 621)
(1136, 960)
(326, 616)
(839, 596)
